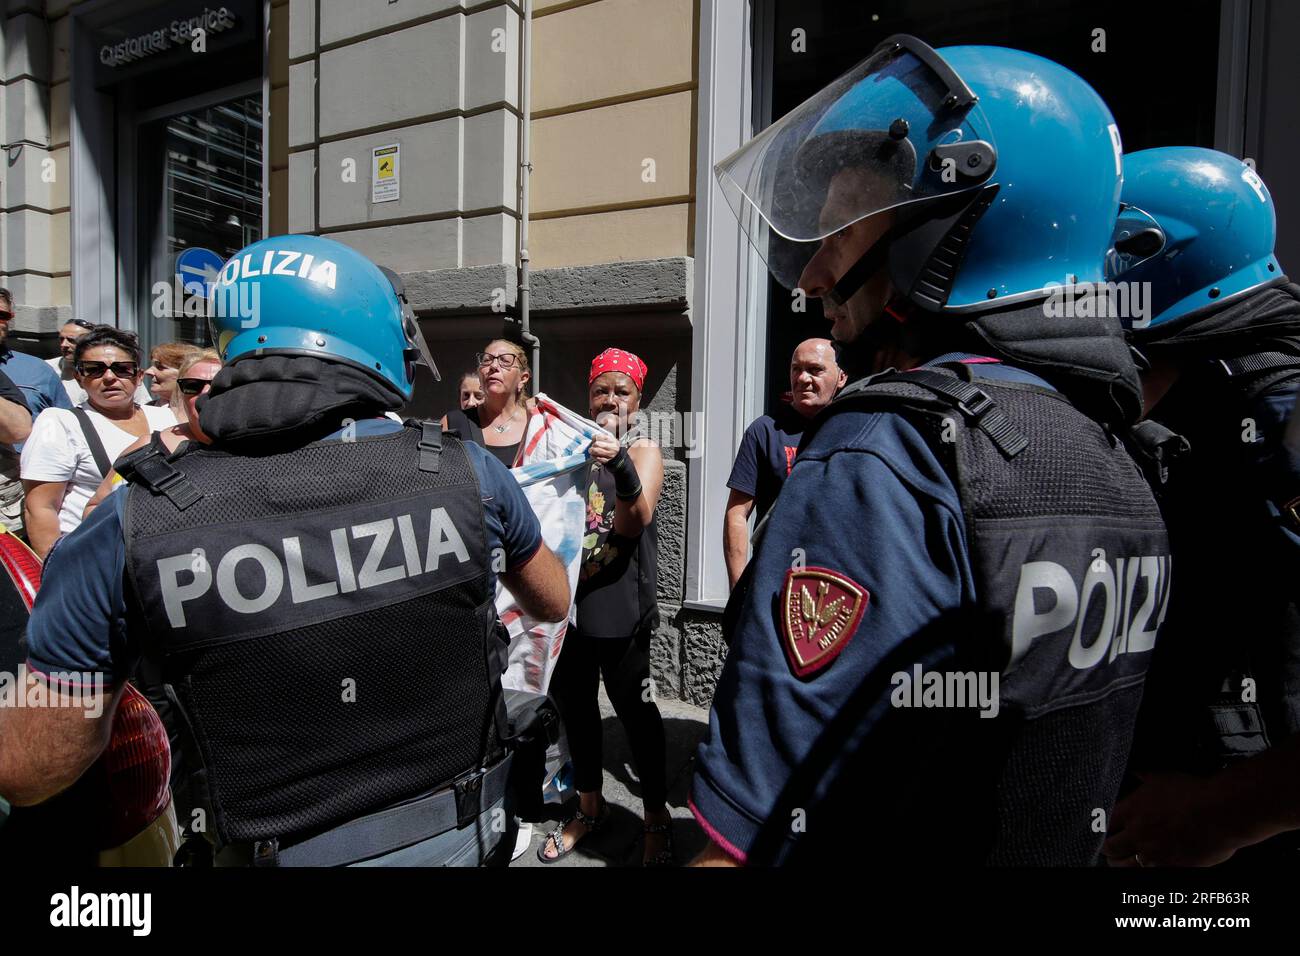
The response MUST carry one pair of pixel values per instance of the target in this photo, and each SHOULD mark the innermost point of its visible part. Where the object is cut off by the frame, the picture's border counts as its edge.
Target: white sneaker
(523, 839)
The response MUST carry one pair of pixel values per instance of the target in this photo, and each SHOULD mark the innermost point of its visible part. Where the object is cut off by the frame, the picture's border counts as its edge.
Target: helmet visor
(899, 128)
(417, 352)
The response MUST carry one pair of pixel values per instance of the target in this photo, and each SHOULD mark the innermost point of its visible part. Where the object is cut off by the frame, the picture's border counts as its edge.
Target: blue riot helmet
(306, 295)
(1198, 226)
(1002, 169)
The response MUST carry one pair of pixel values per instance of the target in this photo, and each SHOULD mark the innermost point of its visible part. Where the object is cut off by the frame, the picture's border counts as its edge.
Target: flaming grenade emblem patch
(820, 612)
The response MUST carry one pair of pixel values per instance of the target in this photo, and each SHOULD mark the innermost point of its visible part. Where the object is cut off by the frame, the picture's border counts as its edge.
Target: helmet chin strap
(862, 271)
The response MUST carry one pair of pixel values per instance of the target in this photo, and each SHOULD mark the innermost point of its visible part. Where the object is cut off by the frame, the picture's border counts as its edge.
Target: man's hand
(1172, 819)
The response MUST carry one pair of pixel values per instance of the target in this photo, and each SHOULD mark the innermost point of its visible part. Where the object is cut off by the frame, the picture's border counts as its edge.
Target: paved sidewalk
(619, 841)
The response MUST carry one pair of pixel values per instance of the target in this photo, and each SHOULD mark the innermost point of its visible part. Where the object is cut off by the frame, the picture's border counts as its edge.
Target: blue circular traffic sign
(198, 269)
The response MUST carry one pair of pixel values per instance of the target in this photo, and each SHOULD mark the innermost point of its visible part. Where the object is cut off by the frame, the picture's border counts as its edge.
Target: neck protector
(1087, 358)
(1263, 320)
(289, 400)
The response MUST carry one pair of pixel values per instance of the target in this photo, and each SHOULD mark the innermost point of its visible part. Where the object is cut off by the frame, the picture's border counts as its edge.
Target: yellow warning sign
(385, 173)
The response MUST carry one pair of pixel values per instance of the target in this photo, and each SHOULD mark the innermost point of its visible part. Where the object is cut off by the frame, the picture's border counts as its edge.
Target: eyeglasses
(193, 386)
(80, 323)
(97, 369)
(5, 315)
(485, 359)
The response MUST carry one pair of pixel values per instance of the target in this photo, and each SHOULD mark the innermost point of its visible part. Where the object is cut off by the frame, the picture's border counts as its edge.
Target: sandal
(664, 857)
(556, 836)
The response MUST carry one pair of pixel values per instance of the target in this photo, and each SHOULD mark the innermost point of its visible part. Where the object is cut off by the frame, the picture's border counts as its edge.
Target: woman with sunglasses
(497, 424)
(69, 332)
(194, 378)
(59, 468)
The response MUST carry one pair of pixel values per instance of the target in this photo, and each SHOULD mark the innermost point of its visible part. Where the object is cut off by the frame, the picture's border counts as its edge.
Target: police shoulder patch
(820, 611)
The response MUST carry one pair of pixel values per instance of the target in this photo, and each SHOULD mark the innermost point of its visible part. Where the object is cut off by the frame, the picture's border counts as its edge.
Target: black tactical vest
(322, 620)
(1072, 580)
(1227, 686)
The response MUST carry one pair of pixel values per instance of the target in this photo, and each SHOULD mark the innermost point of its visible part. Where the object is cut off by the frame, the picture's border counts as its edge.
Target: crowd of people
(67, 455)
(91, 408)
(961, 510)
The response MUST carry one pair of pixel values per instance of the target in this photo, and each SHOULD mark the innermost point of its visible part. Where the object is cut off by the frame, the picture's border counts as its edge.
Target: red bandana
(616, 360)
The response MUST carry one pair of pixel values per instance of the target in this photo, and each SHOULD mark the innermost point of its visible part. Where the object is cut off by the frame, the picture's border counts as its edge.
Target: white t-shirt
(78, 394)
(57, 451)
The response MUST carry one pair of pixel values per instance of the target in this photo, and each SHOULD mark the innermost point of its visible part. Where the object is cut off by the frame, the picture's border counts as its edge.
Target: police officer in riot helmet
(1221, 332)
(957, 679)
(312, 592)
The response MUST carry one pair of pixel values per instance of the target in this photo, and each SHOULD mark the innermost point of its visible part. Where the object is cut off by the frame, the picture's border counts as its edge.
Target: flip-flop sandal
(556, 836)
(666, 856)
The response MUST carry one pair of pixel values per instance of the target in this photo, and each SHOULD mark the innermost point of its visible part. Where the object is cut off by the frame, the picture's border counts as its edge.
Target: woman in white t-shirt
(59, 471)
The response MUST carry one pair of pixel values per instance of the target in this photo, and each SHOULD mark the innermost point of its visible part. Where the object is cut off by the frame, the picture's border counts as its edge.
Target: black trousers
(624, 663)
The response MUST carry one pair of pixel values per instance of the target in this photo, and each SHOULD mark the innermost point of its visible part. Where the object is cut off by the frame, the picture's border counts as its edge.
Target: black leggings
(624, 663)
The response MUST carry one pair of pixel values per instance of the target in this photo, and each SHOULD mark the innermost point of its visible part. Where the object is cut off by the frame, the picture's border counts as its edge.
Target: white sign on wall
(385, 174)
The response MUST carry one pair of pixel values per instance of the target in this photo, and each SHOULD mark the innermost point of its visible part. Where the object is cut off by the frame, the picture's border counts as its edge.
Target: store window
(1161, 84)
(200, 188)
(167, 142)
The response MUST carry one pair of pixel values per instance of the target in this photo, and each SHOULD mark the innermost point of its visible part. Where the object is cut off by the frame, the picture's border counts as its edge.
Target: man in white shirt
(69, 332)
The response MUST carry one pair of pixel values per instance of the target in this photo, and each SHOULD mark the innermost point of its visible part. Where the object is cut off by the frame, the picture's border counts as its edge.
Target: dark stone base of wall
(686, 654)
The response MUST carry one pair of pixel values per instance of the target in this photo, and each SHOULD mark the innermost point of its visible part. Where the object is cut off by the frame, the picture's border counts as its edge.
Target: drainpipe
(525, 173)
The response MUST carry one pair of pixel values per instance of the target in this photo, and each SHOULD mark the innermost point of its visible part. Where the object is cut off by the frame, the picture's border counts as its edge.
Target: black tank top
(617, 580)
(466, 424)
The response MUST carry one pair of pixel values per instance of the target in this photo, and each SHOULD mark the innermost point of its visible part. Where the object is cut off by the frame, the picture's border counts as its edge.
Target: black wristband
(627, 483)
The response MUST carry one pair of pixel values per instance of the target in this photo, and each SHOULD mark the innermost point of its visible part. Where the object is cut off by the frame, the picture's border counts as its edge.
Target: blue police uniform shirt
(874, 472)
(38, 382)
(765, 457)
(81, 586)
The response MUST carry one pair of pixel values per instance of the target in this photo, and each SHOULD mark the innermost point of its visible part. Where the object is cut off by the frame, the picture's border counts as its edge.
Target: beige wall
(614, 99)
(440, 78)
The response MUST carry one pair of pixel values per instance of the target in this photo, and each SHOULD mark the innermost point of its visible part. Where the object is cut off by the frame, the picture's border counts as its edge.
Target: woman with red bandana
(616, 613)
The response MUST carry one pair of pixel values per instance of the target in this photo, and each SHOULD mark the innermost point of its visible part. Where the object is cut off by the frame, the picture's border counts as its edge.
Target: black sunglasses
(97, 369)
(82, 323)
(192, 386)
(5, 315)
